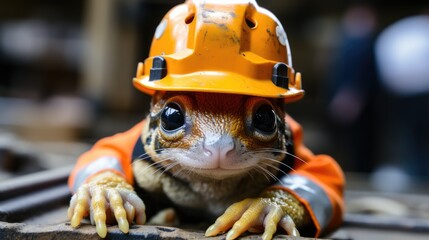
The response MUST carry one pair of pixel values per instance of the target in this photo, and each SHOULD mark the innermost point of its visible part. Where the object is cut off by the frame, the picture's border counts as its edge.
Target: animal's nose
(217, 148)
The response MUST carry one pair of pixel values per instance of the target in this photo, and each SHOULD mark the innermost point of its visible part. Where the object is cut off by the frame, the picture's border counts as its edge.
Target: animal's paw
(166, 217)
(107, 198)
(263, 214)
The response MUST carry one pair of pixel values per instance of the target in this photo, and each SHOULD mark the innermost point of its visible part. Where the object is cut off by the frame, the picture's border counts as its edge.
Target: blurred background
(66, 69)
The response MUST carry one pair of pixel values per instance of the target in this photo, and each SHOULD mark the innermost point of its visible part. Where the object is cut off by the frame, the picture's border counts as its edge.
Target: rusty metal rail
(23, 197)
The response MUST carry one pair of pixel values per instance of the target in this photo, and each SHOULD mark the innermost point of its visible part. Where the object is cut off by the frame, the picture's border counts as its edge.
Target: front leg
(106, 198)
(274, 208)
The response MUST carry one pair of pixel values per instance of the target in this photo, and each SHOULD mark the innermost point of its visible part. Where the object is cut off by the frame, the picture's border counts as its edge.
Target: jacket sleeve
(108, 154)
(317, 182)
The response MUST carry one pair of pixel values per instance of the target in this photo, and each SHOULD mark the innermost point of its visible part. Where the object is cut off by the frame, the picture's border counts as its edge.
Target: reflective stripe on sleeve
(314, 194)
(98, 165)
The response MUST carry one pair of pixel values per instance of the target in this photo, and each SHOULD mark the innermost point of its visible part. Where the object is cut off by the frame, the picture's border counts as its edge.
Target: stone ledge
(20, 231)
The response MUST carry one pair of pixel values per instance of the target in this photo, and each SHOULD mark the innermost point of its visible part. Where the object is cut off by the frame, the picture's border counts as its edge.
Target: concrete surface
(19, 231)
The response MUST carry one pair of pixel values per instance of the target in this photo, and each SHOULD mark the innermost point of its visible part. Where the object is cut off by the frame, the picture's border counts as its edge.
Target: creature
(217, 142)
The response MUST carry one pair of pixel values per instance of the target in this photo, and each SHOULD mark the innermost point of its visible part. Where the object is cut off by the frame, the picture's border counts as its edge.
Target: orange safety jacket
(316, 181)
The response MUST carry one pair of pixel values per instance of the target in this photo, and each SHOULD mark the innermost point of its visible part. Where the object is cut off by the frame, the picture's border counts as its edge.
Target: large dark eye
(264, 119)
(172, 117)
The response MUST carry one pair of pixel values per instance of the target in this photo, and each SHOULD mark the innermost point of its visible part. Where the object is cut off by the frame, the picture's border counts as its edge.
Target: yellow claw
(81, 206)
(76, 219)
(271, 221)
(247, 220)
(295, 233)
(117, 206)
(141, 218)
(137, 204)
(289, 226)
(266, 213)
(232, 234)
(72, 205)
(227, 220)
(99, 211)
(131, 212)
(123, 225)
(211, 231)
(101, 228)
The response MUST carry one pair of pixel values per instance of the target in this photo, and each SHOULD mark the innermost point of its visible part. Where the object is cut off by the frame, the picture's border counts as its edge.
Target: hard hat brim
(218, 82)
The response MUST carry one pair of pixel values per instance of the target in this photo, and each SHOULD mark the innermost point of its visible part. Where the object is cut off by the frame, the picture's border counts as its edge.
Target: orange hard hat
(222, 46)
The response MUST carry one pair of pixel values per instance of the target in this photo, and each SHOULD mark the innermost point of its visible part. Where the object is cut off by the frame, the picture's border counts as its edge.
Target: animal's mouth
(220, 173)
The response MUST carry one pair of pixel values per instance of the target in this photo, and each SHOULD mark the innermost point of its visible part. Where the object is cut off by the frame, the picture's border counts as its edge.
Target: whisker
(156, 164)
(250, 174)
(159, 167)
(162, 169)
(164, 150)
(275, 168)
(146, 155)
(274, 176)
(281, 163)
(144, 158)
(183, 171)
(141, 158)
(269, 174)
(258, 169)
(169, 167)
(295, 156)
(177, 174)
(274, 150)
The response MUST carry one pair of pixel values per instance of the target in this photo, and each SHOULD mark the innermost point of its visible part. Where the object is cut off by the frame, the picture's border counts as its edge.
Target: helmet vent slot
(250, 23)
(190, 18)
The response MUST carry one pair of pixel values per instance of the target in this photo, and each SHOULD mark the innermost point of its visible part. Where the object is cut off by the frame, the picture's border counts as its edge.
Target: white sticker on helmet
(281, 35)
(160, 29)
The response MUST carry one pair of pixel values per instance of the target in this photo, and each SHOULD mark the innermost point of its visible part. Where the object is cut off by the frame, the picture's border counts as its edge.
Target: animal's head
(216, 135)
